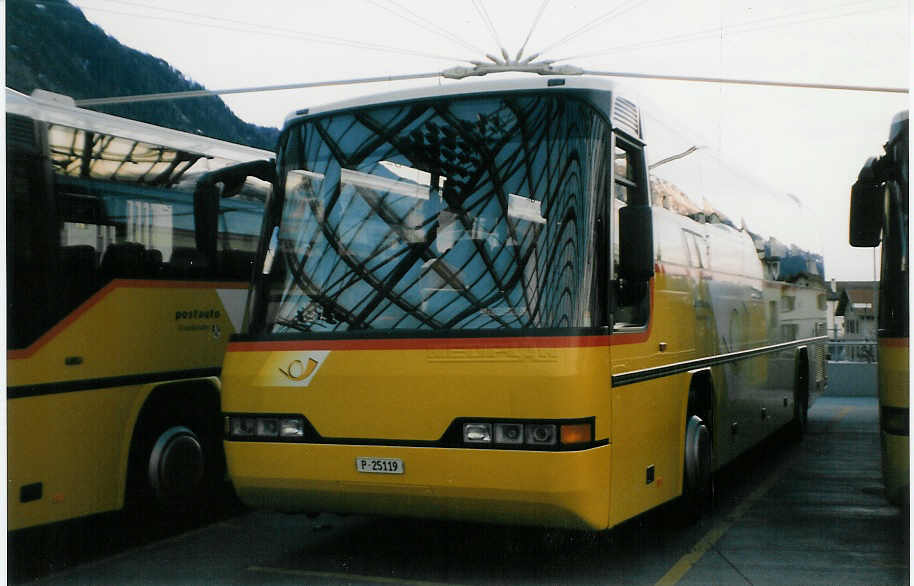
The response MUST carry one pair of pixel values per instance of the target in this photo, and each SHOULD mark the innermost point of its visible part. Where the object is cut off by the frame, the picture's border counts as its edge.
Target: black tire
(800, 416)
(177, 465)
(697, 477)
(800, 403)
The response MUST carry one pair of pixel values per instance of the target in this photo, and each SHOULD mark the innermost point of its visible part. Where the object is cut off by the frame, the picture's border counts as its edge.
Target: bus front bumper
(560, 489)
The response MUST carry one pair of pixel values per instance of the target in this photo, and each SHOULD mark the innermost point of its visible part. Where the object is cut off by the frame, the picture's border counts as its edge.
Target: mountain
(50, 45)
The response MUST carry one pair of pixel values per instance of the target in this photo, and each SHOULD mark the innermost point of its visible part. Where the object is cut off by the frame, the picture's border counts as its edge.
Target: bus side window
(631, 300)
(694, 244)
(238, 228)
(31, 270)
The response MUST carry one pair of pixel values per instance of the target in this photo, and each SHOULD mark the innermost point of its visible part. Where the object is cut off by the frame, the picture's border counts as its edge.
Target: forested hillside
(50, 45)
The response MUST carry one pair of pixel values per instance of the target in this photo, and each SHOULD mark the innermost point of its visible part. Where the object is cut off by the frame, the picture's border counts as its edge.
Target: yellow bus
(879, 212)
(119, 307)
(513, 301)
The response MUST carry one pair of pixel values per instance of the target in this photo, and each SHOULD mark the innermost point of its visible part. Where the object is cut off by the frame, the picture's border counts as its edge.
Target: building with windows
(852, 325)
(857, 306)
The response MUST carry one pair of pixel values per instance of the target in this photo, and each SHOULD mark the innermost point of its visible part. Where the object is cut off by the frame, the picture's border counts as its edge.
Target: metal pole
(266, 88)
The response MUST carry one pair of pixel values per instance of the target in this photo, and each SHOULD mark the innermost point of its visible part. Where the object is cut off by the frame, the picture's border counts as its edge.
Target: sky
(807, 142)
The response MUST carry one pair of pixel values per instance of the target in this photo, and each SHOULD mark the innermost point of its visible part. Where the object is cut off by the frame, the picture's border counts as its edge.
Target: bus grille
(20, 132)
(626, 117)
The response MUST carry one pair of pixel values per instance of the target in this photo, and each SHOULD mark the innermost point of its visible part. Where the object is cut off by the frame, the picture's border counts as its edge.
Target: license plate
(379, 465)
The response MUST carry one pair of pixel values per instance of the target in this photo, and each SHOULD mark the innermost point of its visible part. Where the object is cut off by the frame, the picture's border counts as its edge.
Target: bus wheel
(697, 482)
(176, 465)
(800, 415)
(800, 401)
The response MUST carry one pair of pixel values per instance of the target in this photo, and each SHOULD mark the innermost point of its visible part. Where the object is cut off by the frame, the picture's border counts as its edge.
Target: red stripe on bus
(451, 343)
(894, 342)
(104, 292)
(440, 343)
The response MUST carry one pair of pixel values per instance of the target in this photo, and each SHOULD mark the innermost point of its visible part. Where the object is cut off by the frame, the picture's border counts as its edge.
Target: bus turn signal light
(577, 433)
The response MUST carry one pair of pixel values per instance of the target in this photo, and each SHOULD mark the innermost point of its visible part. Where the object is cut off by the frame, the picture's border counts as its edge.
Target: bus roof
(56, 109)
(460, 88)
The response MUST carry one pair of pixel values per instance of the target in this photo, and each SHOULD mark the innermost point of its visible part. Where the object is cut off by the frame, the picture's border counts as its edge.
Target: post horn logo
(299, 371)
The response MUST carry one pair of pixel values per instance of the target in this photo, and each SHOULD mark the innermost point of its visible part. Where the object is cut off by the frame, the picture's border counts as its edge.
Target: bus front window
(472, 213)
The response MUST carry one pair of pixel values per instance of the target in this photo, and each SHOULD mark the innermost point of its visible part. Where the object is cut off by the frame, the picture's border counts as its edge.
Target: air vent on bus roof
(626, 117)
(20, 132)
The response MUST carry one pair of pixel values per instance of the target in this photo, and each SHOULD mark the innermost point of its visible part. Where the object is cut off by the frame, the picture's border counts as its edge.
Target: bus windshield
(447, 214)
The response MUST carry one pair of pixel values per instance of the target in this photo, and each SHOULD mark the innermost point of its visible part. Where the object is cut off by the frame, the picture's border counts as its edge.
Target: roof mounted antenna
(526, 65)
(505, 63)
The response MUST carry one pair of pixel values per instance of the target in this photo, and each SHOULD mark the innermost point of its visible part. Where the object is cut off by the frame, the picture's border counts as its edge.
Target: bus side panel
(648, 417)
(74, 395)
(130, 328)
(648, 427)
(699, 314)
(894, 394)
(72, 444)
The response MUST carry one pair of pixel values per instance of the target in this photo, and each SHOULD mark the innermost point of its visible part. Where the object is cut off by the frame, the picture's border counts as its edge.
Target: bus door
(632, 237)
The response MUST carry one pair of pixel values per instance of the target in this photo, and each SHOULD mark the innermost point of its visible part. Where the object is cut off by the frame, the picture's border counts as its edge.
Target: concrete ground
(787, 513)
(821, 518)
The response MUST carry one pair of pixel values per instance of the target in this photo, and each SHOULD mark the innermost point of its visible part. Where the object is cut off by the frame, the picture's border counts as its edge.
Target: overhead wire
(680, 39)
(484, 15)
(719, 80)
(248, 27)
(745, 27)
(157, 97)
(422, 22)
(536, 21)
(618, 10)
(748, 26)
(755, 82)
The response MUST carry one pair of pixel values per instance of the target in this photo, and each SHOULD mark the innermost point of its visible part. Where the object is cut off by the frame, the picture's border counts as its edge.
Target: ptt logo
(298, 369)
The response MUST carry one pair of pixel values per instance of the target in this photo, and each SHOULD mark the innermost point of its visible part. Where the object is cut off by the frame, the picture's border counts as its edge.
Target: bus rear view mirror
(636, 243)
(215, 185)
(866, 208)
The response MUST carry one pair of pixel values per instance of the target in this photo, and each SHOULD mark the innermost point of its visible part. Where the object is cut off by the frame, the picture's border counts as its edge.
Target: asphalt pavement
(787, 513)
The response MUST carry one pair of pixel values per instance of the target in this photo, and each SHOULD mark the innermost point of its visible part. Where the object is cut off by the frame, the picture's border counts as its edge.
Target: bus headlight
(509, 433)
(549, 434)
(541, 434)
(251, 427)
(292, 428)
(477, 433)
(267, 427)
(242, 427)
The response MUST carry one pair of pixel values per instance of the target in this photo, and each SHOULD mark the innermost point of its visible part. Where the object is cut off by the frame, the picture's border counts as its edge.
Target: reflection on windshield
(462, 214)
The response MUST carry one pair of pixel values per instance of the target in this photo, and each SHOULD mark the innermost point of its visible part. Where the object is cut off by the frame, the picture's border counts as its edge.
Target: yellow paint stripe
(841, 415)
(342, 576)
(686, 562)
